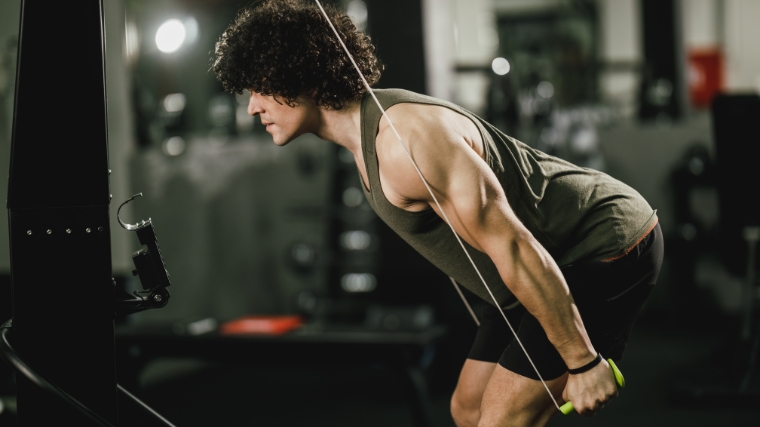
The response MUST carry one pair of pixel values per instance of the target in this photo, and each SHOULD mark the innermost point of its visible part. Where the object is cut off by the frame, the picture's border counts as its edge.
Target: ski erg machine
(64, 297)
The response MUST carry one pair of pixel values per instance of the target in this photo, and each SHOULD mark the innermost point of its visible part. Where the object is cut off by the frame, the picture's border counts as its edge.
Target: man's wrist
(577, 353)
(587, 367)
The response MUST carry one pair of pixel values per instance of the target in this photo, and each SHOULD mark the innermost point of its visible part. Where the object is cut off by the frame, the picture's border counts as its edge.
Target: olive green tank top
(577, 214)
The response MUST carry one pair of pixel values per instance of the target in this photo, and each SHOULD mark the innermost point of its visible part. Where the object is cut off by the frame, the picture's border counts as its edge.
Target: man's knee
(466, 400)
(512, 400)
(465, 409)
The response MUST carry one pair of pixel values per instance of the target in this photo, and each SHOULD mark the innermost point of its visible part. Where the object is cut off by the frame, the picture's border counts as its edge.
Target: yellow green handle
(568, 407)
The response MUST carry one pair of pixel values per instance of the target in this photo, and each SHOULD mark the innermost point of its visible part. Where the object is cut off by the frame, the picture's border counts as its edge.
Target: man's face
(283, 122)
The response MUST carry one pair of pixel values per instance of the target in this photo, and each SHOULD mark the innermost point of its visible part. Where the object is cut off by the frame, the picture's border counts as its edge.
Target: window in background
(554, 48)
(548, 98)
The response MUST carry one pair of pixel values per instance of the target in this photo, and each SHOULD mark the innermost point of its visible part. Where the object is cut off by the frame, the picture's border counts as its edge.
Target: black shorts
(609, 296)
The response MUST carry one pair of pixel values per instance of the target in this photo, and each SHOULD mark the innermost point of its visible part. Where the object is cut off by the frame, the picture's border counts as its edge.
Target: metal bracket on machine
(149, 267)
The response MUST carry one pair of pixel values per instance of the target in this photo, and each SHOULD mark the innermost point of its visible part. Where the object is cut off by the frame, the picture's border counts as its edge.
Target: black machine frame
(64, 295)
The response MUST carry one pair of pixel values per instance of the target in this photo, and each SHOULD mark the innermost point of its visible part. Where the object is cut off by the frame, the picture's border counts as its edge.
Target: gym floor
(660, 364)
(667, 362)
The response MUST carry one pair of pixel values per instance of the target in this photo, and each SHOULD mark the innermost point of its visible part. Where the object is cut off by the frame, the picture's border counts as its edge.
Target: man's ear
(310, 97)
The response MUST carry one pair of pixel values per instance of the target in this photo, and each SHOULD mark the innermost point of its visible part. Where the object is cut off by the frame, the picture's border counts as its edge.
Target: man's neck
(342, 126)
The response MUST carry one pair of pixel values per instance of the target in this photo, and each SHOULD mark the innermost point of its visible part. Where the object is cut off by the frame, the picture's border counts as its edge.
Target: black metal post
(58, 200)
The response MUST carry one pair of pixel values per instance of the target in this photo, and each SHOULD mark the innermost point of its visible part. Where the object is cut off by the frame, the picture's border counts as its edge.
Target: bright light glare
(356, 240)
(358, 282)
(174, 146)
(500, 66)
(357, 11)
(175, 102)
(545, 89)
(170, 36)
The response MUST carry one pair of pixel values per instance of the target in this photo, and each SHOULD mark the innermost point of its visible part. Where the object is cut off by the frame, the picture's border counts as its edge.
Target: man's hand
(591, 390)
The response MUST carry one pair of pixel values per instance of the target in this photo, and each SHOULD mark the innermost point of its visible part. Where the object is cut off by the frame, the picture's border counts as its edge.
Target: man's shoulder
(424, 124)
(416, 124)
(414, 114)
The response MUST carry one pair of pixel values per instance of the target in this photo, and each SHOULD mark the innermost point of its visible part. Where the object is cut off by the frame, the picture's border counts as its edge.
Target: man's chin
(278, 140)
(281, 138)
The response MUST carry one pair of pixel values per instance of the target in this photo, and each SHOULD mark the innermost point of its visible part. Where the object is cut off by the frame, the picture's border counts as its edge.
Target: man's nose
(253, 107)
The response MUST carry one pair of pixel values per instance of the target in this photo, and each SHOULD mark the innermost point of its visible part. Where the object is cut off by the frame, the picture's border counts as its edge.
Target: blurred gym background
(247, 228)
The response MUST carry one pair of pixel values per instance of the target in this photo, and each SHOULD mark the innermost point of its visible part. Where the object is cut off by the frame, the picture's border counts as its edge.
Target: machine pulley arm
(149, 267)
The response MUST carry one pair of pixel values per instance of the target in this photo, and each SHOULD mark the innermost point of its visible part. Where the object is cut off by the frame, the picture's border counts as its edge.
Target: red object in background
(261, 325)
(705, 75)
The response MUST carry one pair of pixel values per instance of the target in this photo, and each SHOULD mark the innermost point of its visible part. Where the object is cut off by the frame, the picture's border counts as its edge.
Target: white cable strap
(464, 300)
(435, 199)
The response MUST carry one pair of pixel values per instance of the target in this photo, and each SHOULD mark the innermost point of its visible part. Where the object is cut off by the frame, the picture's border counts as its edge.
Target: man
(570, 254)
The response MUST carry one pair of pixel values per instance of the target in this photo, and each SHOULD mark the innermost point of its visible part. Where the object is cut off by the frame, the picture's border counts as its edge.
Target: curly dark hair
(284, 48)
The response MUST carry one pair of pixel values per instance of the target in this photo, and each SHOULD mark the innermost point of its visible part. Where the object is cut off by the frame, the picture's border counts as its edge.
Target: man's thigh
(510, 399)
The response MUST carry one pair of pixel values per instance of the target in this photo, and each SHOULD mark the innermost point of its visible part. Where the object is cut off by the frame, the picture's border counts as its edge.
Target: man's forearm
(535, 279)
